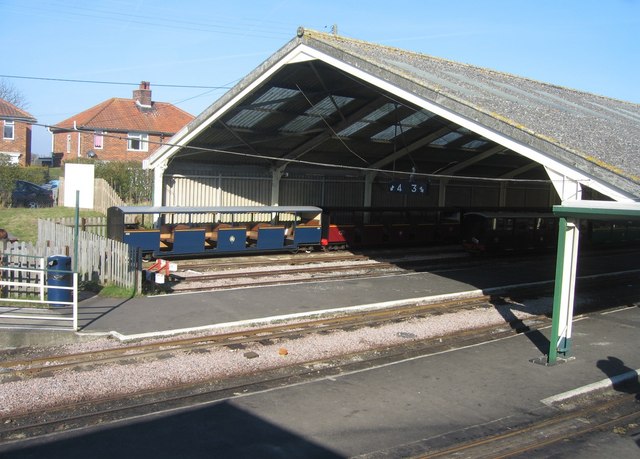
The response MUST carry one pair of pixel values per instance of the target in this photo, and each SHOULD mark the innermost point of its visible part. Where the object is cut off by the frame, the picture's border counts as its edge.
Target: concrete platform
(400, 408)
(169, 314)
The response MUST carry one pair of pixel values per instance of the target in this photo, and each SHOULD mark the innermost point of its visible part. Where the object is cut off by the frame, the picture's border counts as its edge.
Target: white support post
(42, 274)
(276, 176)
(442, 192)
(368, 188)
(75, 301)
(158, 184)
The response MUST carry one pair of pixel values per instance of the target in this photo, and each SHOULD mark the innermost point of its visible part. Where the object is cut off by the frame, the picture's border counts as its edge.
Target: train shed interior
(333, 121)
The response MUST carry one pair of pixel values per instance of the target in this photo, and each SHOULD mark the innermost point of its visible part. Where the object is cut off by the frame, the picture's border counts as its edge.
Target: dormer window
(8, 132)
(137, 141)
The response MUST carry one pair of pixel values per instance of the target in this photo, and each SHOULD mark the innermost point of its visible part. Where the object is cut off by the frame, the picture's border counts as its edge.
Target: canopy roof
(329, 100)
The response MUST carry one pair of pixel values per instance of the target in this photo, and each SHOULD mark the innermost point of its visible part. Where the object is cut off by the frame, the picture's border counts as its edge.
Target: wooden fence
(95, 225)
(101, 260)
(104, 196)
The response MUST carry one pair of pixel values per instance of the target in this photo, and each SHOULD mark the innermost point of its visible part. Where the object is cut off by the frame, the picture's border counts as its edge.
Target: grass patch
(112, 291)
(23, 223)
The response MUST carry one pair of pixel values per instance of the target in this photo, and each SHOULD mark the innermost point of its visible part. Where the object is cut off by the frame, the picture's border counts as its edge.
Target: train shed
(334, 121)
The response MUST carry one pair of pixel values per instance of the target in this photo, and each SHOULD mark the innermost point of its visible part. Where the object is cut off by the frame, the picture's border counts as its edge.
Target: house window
(68, 143)
(9, 130)
(137, 141)
(98, 140)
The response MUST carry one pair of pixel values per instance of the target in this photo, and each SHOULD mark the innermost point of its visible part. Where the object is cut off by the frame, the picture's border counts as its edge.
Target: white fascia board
(511, 144)
(184, 136)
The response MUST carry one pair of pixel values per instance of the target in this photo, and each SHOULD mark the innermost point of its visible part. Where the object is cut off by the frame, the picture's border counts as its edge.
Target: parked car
(27, 194)
(53, 185)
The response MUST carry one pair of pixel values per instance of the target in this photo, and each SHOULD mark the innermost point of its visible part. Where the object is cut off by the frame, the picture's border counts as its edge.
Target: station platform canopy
(329, 102)
(598, 210)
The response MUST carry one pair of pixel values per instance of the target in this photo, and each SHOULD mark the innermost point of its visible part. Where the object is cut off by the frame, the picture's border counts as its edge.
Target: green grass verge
(112, 291)
(23, 223)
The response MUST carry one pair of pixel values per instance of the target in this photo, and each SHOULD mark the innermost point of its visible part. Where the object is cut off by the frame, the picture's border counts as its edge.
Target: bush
(9, 173)
(132, 183)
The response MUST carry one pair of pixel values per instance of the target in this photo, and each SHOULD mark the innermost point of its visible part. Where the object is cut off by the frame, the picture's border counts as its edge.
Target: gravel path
(70, 386)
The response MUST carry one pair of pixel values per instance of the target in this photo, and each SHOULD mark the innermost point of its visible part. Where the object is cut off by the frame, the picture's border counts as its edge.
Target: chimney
(142, 95)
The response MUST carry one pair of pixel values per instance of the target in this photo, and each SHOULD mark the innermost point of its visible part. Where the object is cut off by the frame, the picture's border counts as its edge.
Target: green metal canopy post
(564, 292)
(569, 214)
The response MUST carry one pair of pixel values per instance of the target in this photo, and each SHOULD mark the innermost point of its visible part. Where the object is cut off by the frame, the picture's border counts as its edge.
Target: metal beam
(474, 159)
(329, 132)
(520, 170)
(414, 146)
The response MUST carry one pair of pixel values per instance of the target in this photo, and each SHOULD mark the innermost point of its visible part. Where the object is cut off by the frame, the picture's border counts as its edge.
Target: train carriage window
(508, 226)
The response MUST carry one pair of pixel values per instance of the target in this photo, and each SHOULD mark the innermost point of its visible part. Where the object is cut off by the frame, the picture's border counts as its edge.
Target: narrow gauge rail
(233, 263)
(220, 274)
(169, 232)
(25, 368)
(115, 407)
(361, 270)
(621, 410)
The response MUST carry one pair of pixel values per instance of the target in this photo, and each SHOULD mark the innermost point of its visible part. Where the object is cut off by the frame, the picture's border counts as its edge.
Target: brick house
(15, 141)
(119, 129)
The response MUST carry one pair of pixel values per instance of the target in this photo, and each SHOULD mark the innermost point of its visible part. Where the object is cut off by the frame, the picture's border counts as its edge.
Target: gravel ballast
(69, 386)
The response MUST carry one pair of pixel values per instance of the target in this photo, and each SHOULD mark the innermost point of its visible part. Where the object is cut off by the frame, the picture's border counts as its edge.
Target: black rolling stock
(505, 232)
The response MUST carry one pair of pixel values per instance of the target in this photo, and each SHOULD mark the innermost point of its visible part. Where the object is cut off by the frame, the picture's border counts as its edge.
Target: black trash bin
(59, 275)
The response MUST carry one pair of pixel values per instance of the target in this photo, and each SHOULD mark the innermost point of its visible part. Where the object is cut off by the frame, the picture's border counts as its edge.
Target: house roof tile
(8, 110)
(126, 115)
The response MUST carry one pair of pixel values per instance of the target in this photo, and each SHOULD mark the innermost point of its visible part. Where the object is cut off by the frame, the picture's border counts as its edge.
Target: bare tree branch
(12, 95)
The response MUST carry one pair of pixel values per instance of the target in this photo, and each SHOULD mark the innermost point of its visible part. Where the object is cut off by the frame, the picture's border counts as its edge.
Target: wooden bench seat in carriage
(181, 239)
(146, 239)
(166, 237)
(307, 233)
(267, 236)
(230, 238)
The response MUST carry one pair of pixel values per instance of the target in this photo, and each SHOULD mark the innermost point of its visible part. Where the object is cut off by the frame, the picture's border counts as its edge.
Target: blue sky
(590, 45)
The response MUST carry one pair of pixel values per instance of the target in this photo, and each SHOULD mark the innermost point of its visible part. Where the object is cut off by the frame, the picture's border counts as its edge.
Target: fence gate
(30, 295)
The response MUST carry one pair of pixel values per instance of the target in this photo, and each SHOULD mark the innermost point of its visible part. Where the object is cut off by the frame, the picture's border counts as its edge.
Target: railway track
(620, 412)
(219, 274)
(112, 408)
(20, 369)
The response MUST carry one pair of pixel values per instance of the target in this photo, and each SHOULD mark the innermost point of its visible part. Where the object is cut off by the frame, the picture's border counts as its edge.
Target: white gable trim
(184, 136)
(303, 53)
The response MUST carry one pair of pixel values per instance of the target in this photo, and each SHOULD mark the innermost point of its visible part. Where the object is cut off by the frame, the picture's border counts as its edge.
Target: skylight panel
(367, 120)
(475, 144)
(325, 108)
(270, 101)
(447, 138)
(408, 123)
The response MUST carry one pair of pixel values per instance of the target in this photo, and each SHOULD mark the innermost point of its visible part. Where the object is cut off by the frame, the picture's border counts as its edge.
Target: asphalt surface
(168, 313)
(399, 409)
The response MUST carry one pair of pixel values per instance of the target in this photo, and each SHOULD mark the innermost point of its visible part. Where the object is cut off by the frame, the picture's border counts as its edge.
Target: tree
(12, 95)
